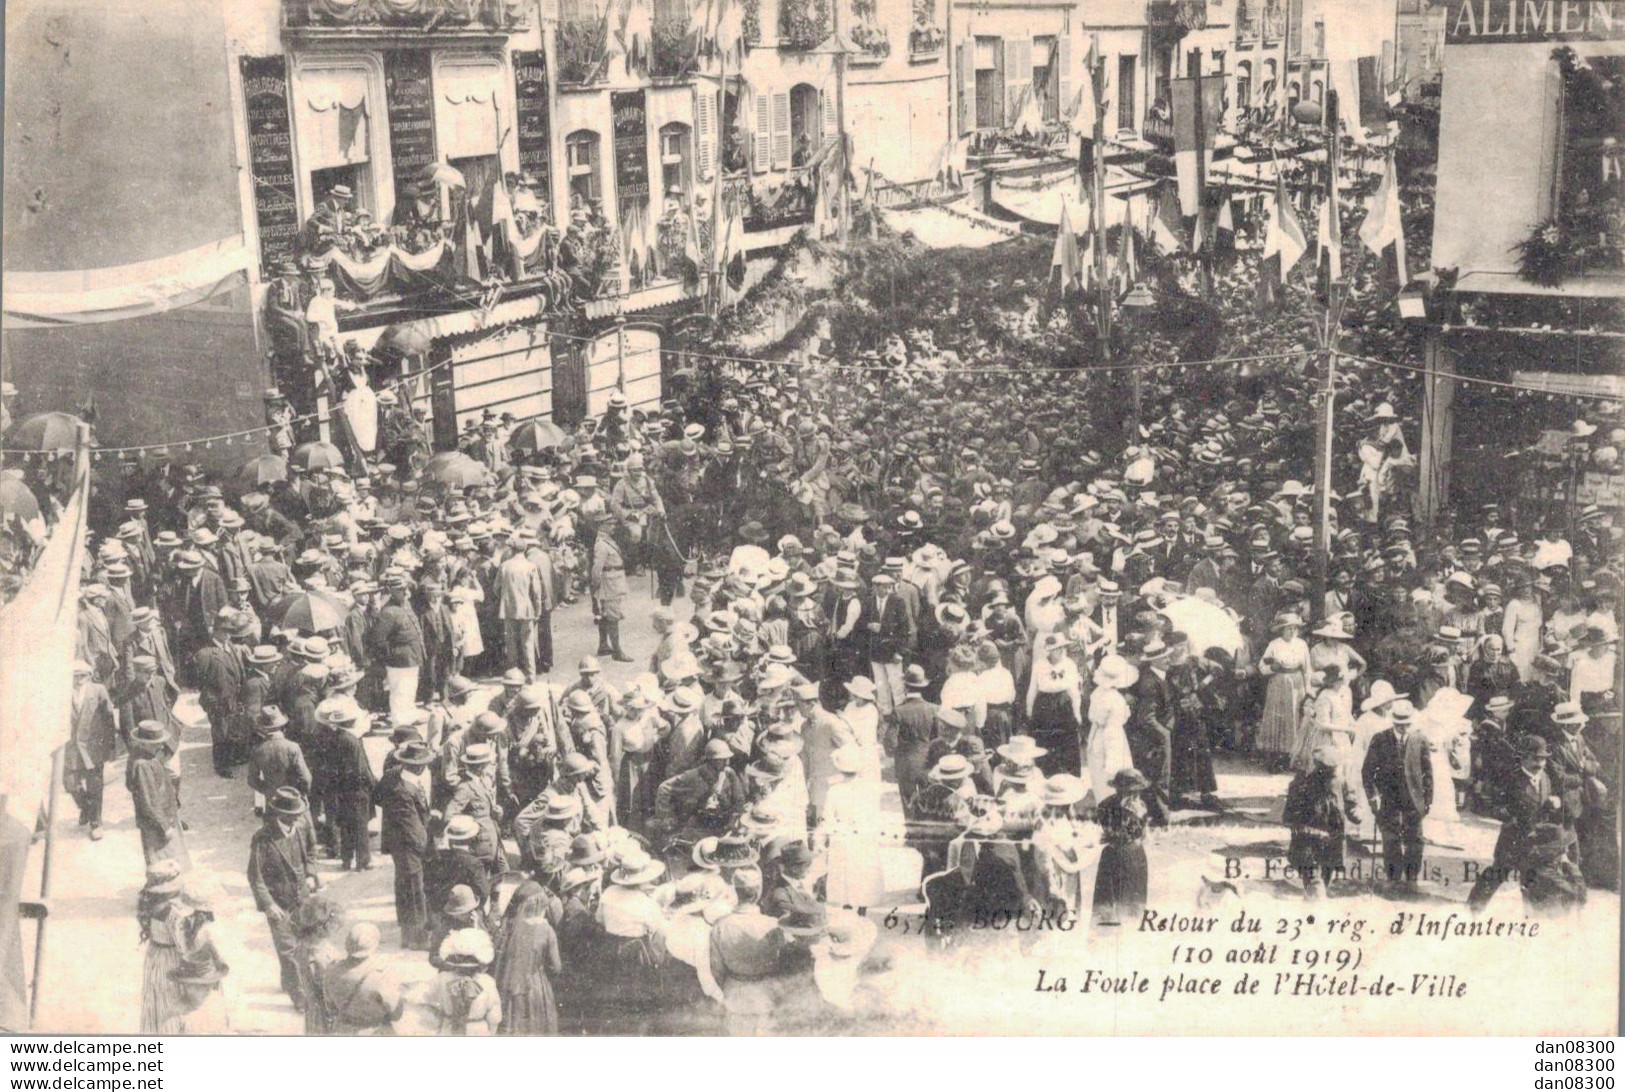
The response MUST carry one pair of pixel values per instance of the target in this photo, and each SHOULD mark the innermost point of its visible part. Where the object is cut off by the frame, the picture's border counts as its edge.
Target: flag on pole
(1224, 225)
(1167, 225)
(1328, 247)
(1384, 227)
(1284, 237)
(1063, 262)
(37, 632)
(1125, 258)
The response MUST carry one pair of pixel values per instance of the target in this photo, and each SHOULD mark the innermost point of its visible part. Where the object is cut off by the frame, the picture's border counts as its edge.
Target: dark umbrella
(537, 436)
(264, 469)
(402, 340)
(317, 455)
(45, 432)
(17, 499)
(307, 611)
(444, 459)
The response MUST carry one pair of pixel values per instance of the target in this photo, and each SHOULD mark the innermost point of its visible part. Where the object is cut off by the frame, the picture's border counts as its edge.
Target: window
(335, 103)
(1163, 59)
(676, 171)
(1244, 85)
(1193, 63)
(581, 161)
(806, 124)
(1125, 92)
(1047, 76)
(989, 83)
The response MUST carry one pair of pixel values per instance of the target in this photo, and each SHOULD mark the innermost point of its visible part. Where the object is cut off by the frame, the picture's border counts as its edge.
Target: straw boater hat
(1022, 750)
(861, 687)
(636, 870)
(951, 769)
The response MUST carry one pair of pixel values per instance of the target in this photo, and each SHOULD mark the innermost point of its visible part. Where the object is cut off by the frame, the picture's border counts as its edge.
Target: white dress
(850, 830)
(1108, 750)
(864, 720)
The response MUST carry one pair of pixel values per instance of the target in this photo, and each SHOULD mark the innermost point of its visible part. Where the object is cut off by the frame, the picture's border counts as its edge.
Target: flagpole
(1103, 323)
(1324, 424)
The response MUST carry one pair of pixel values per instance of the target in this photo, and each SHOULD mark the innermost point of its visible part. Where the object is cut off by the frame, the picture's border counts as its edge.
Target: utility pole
(1325, 429)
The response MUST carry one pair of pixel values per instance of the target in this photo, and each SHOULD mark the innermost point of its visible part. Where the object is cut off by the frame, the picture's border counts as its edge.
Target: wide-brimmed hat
(414, 753)
(204, 970)
(1116, 672)
(1333, 628)
(636, 870)
(1021, 750)
(287, 801)
(806, 920)
(462, 828)
(468, 948)
(951, 768)
(1062, 790)
(1382, 692)
(861, 687)
(1129, 779)
(1569, 712)
(459, 901)
(1285, 619)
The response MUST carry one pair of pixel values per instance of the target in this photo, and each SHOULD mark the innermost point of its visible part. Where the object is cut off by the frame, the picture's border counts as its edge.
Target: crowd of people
(906, 576)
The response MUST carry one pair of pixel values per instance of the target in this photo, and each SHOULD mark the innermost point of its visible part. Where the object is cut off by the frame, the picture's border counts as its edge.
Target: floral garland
(1587, 233)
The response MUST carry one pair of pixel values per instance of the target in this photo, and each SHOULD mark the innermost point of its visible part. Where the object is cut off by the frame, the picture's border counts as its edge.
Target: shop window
(581, 157)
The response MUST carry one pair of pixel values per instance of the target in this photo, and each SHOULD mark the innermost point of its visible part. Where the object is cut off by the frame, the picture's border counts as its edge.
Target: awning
(82, 296)
(1604, 286)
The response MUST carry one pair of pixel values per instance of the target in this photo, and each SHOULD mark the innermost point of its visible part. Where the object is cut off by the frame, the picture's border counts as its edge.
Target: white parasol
(1208, 625)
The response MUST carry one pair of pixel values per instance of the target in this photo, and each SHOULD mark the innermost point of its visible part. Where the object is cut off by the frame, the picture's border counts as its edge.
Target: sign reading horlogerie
(1488, 22)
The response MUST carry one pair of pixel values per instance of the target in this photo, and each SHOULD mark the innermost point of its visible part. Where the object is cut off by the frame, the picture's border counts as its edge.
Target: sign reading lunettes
(409, 94)
(631, 129)
(270, 158)
(1488, 22)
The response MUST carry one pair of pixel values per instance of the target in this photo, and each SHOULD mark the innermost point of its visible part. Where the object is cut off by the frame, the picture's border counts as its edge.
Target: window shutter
(761, 142)
(1063, 64)
(998, 83)
(965, 58)
(781, 130)
(827, 101)
(705, 128)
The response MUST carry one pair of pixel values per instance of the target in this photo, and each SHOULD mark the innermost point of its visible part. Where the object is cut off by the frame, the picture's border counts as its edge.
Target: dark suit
(278, 763)
(157, 810)
(684, 808)
(1150, 739)
(404, 809)
(217, 671)
(201, 600)
(1577, 777)
(91, 744)
(1399, 781)
(279, 865)
(349, 799)
(1522, 800)
(916, 726)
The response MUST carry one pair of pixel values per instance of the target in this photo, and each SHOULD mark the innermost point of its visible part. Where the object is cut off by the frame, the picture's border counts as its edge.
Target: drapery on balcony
(582, 49)
(672, 53)
(788, 203)
(867, 34)
(427, 16)
(803, 24)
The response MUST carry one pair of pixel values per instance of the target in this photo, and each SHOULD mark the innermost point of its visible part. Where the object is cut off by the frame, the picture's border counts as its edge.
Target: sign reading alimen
(1488, 22)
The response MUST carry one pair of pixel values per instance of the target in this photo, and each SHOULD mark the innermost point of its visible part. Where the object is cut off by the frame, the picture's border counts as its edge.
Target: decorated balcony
(866, 33)
(803, 24)
(348, 20)
(672, 54)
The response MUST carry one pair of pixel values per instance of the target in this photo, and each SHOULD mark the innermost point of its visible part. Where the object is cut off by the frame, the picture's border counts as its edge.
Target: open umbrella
(45, 432)
(263, 470)
(442, 174)
(310, 612)
(317, 455)
(441, 460)
(466, 473)
(403, 339)
(18, 500)
(1207, 625)
(537, 436)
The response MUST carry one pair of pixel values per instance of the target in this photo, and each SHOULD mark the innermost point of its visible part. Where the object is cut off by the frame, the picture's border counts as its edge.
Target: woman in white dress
(1286, 663)
(1108, 750)
(850, 832)
(1446, 729)
(465, 618)
(862, 716)
(1520, 625)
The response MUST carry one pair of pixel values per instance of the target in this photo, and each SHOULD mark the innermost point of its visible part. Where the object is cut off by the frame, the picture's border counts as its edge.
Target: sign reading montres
(535, 121)
(270, 158)
(631, 127)
(1488, 22)
(409, 95)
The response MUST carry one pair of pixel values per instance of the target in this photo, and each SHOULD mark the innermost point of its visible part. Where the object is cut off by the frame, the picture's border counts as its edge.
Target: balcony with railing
(349, 20)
